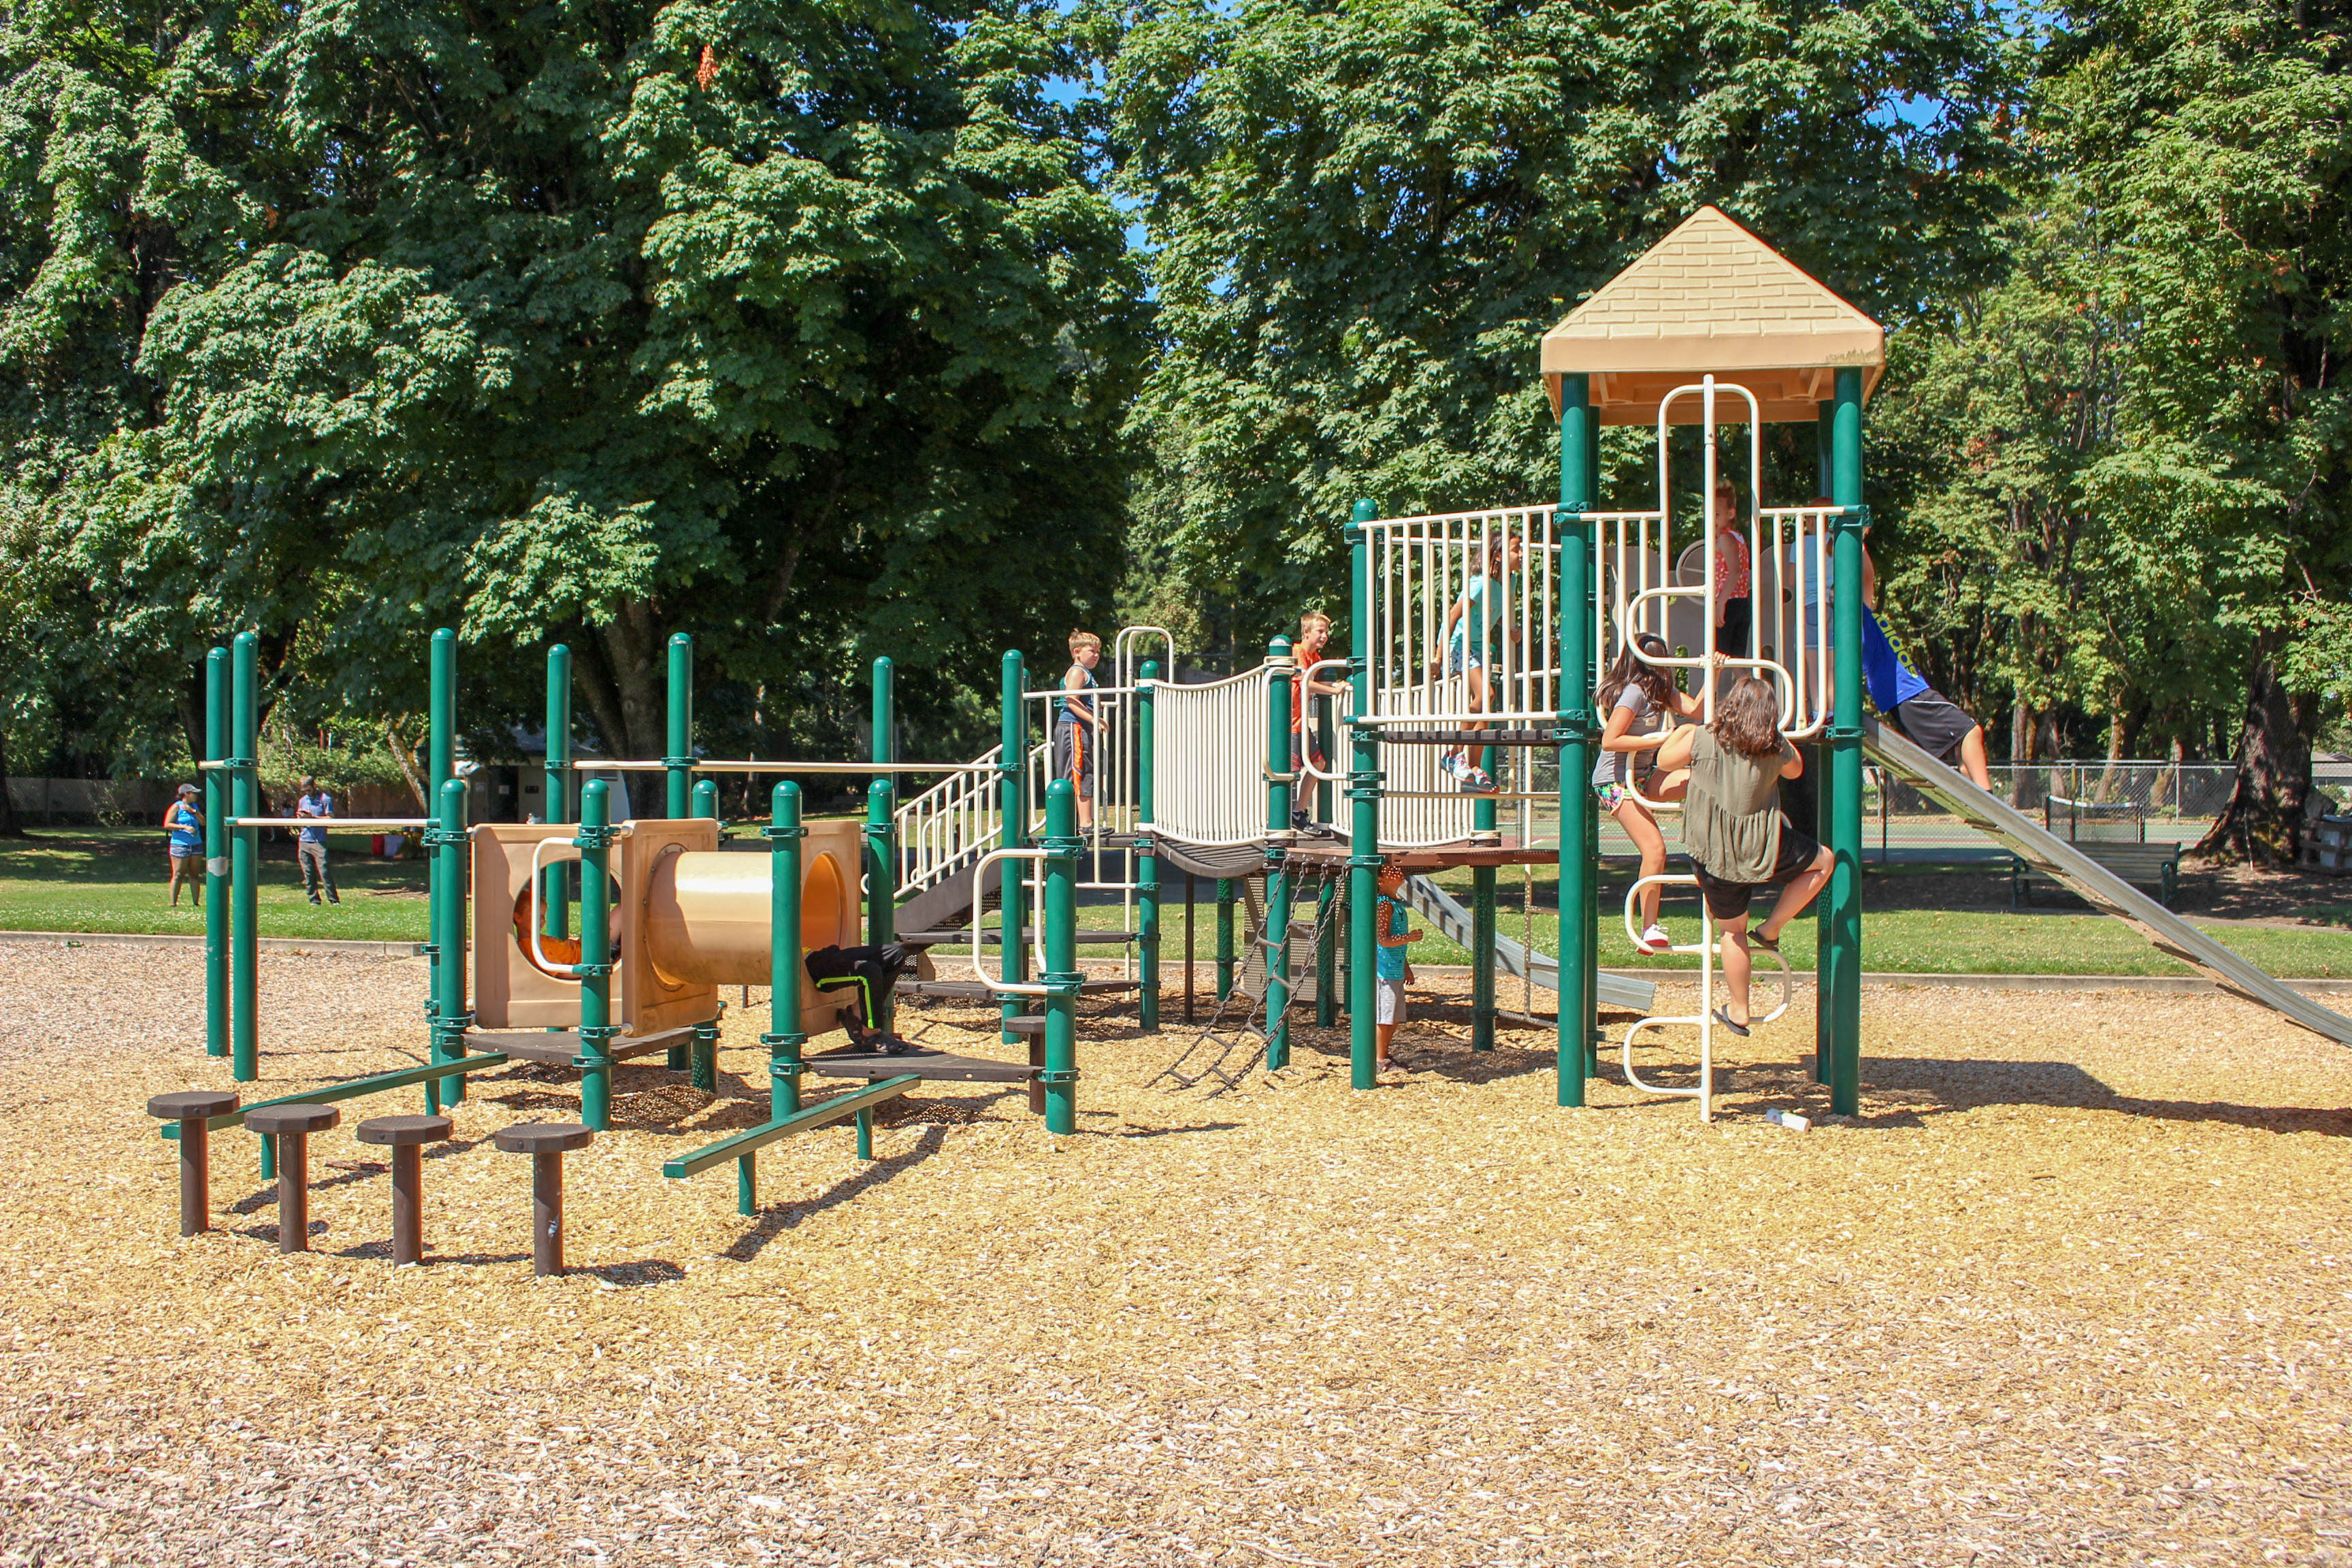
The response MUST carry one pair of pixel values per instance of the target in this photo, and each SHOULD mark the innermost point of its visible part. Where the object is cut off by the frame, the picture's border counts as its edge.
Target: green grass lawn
(99, 879)
(113, 880)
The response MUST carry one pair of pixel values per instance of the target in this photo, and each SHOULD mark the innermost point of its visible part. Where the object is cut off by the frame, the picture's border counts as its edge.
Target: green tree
(802, 328)
(2215, 135)
(1365, 215)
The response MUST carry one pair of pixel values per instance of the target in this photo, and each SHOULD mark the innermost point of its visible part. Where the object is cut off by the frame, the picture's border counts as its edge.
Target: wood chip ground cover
(2072, 1289)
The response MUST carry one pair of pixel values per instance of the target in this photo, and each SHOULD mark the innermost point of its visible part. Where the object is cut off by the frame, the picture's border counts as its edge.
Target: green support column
(1062, 845)
(881, 835)
(1364, 813)
(244, 853)
(1147, 863)
(1277, 935)
(1224, 937)
(1577, 978)
(784, 1036)
(1824, 786)
(1327, 951)
(447, 844)
(678, 773)
(217, 748)
(445, 886)
(688, 1058)
(1593, 817)
(882, 887)
(1012, 810)
(1482, 945)
(1845, 739)
(441, 766)
(555, 882)
(596, 967)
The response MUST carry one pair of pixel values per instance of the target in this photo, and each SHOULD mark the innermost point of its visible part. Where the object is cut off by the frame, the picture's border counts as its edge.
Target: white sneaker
(1655, 939)
(1452, 767)
(1475, 780)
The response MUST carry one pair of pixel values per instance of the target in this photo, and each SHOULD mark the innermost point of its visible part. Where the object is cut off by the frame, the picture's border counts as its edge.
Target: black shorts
(1935, 725)
(1073, 755)
(1729, 901)
(1731, 638)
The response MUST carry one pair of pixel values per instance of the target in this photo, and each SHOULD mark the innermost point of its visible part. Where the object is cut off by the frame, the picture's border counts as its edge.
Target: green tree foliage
(802, 328)
(1365, 215)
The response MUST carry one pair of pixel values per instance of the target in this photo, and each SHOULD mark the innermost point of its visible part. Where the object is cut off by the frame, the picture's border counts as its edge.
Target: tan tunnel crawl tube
(688, 917)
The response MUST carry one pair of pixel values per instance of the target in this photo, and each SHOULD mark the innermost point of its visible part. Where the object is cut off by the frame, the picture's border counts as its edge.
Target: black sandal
(1768, 943)
(1724, 1019)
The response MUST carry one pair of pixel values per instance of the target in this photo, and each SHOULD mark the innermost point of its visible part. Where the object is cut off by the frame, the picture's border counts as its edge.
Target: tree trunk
(623, 680)
(403, 756)
(2115, 756)
(2263, 824)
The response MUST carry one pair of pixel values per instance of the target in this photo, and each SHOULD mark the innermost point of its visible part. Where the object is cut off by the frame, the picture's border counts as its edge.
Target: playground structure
(1711, 327)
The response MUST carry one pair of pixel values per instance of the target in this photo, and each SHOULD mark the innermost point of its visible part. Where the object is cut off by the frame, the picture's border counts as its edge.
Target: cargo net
(1223, 1053)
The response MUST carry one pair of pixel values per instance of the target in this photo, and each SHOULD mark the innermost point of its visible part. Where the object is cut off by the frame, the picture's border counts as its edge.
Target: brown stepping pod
(546, 1143)
(407, 1136)
(292, 1125)
(191, 1108)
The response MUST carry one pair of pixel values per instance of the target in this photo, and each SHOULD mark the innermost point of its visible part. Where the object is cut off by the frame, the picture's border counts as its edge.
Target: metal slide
(2105, 891)
(1439, 908)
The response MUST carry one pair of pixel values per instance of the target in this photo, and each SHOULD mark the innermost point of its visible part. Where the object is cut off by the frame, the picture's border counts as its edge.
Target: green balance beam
(744, 1147)
(354, 1089)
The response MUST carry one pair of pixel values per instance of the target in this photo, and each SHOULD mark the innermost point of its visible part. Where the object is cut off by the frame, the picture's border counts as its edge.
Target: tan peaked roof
(1711, 297)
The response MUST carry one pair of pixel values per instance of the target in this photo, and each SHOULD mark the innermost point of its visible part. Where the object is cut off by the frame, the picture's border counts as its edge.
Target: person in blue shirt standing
(311, 847)
(184, 828)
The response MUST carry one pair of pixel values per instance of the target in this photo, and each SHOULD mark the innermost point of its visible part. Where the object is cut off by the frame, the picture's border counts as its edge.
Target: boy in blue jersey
(183, 829)
(1934, 724)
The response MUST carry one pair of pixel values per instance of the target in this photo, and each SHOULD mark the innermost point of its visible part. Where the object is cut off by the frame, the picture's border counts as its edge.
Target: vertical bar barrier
(784, 1036)
(676, 767)
(245, 851)
(1060, 916)
(1824, 786)
(1277, 935)
(1576, 730)
(595, 968)
(1147, 863)
(1589, 550)
(1012, 814)
(1364, 809)
(1844, 997)
(217, 748)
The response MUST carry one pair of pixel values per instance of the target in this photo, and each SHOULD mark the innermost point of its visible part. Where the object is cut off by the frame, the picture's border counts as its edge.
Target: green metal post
(1013, 809)
(1147, 863)
(441, 766)
(1364, 826)
(1482, 956)
(1593, 817)
(1326, 953)
(217, 748)
(1060, 915)
(447, 877)
(881, 834)
(595, 968)
(448, 842)
(1824, 786)
(245, 852)
(1224, 937)
(747, 1185)
(678, 773)
(784, 1036)
(1275, 948)
(555, 890)
(865, 1132)
(688, 1058)
(1577, 981)
(1844, 997)
(882, 885)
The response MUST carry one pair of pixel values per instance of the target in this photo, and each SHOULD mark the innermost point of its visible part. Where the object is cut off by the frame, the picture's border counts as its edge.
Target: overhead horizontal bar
(790, 767)
(332, 823)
